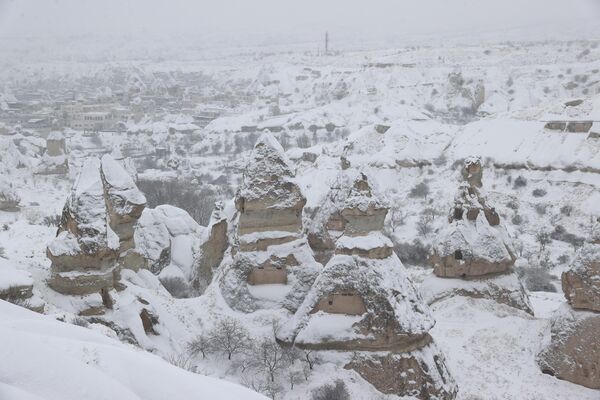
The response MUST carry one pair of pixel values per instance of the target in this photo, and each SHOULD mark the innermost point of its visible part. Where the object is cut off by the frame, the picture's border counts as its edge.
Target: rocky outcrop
(475, 248)
(351, 209)
(54, 160)
(124, 201)
(86, 251)
(504, 289)
(581, 283)
(363, 302)
(269, 247)
(268, 198)
(153, 241)
(573, 352)
(394, 373)
(474, 244)
(167, 238)
(212, 250)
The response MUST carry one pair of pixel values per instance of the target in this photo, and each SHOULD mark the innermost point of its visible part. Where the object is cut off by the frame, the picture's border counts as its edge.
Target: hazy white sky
(299, 19)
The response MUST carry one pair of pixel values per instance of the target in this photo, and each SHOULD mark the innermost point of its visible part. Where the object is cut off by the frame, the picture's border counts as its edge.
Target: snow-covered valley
(394, 221)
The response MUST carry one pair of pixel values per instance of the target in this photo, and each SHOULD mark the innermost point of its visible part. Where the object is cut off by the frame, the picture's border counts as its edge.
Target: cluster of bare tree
(264, 365)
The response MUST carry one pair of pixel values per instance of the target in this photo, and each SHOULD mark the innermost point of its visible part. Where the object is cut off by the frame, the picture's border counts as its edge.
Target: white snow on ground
(329, 327)
(9, 276)
(46, 359)
(490, 350)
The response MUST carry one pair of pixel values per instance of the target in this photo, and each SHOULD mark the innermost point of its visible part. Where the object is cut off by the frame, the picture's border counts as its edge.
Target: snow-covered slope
(46, 359)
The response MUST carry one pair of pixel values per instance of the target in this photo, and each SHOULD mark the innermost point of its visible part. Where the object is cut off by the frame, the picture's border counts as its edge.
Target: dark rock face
(574, 350)
(211, 252)
(417, 374)
(581, 284)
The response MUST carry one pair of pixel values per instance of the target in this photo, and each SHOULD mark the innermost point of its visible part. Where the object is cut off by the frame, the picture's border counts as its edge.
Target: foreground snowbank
(46, 359)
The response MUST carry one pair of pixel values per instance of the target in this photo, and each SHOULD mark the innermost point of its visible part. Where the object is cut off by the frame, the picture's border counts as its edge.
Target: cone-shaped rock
(96, 228)
(271, 265)
(363, 302)
(85, 250)
(474, 247)
(268, 199)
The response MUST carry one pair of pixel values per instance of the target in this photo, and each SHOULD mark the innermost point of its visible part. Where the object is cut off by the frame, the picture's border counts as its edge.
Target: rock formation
(268, 200)
(363, 302)
(270, 264)
(124, 201)
(573, 353)
(581, 284)
(350, 209)
(475, 247)
(212, 249)
(95, 234)
(166, 238)
(54, 160)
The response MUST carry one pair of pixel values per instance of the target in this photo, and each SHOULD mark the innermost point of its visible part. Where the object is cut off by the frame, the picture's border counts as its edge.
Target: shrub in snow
(519, 182)
(513, 204)
(182, 361)
(80, 322)
(176, 286)
(537, 279)
(420, 190)
(9, 200)
(539, 193)
(333, 391)
(540, 208)
(560, 233)
(516, 219)
(415, 253)
(563, 259)
(51, 220)
(566, 210)
(424, 225)
(543, 238)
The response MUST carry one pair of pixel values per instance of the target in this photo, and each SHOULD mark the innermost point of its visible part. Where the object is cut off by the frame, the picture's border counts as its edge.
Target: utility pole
(326, 42)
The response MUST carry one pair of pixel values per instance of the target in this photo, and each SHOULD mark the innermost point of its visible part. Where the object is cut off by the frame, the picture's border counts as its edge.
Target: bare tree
(397, 218)
(310, 358)
(269, 358)
(424, 225)
(333, 391)
(543, 238)
(182, 361)
(200, 344)
(230, 337)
